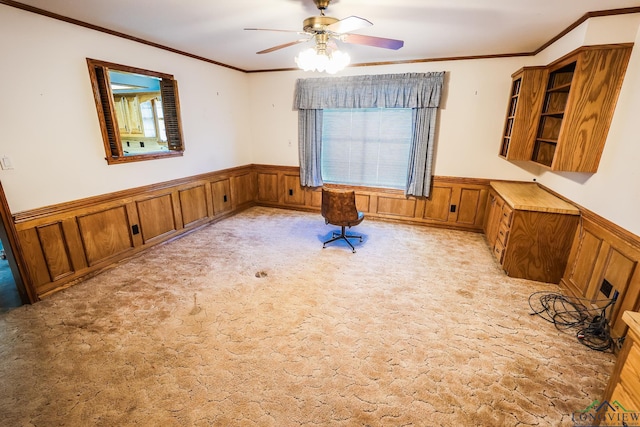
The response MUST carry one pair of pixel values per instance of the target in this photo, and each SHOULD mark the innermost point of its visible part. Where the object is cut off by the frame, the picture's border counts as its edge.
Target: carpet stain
(196, 308)
(464, 293)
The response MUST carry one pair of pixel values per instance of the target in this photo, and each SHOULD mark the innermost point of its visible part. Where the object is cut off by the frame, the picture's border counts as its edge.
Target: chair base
(342, 235)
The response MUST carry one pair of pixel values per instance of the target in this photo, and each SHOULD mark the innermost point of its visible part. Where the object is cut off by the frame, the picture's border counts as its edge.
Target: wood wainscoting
(604, 259)
(457, 203)
(64, 243)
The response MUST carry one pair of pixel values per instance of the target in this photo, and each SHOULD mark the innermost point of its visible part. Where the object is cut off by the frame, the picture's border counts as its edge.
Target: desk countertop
(528, 196)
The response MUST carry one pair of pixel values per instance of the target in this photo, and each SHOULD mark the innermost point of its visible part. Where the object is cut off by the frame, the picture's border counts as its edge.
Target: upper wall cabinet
(572, 102)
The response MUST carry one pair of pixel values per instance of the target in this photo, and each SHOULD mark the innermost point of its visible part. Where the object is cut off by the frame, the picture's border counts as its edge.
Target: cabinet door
(494, 216)
(525, 102)
(553, 111)
(595, 88)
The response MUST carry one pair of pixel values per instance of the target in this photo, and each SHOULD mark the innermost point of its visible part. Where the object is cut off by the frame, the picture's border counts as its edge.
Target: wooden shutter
(110, 126)
(171, 108)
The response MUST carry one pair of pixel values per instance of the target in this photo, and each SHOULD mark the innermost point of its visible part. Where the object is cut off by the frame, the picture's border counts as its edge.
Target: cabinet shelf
(558, 114)
(561, 88)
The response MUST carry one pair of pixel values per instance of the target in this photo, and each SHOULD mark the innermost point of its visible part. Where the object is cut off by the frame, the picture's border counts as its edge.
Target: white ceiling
(213, 29)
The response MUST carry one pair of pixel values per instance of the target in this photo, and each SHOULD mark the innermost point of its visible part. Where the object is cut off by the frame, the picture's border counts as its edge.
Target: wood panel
(294, 194)
(438, 204)
(73, 243)
(268, 187)
(396, 206)
(583, 262)
(470, 206)
(244, 188)
(619, 270)
(156, 217)
(104, 234)
(602, 251)
(539, 245)
(314, 198)
(34, 258)
(221, 194)
(363, 201)
(193, 205)
(55, 250)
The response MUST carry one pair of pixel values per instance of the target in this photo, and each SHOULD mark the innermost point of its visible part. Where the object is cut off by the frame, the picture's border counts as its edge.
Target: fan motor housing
(317, 23)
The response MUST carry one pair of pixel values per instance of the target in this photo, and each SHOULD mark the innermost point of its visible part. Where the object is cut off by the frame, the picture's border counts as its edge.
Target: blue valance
(409, 90)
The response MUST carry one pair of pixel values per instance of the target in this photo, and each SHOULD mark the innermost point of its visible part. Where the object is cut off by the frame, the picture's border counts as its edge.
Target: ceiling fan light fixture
(314, 59)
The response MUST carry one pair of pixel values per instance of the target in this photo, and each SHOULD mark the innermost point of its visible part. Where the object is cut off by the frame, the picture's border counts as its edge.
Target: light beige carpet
(249, 322)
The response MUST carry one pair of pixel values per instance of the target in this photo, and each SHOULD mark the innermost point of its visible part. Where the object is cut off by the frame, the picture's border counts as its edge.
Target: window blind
(366, 146)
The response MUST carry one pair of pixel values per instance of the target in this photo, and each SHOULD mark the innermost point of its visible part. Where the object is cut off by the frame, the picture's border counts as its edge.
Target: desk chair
(339, 208)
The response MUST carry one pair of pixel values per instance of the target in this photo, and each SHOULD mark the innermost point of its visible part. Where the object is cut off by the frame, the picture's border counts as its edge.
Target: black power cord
(570, 312)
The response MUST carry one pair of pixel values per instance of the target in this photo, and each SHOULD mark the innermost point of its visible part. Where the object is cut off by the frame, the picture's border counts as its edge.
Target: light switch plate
(5, 163)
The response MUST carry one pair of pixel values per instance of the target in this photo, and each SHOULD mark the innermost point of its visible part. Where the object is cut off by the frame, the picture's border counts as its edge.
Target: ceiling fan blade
(372, 41)
(270, 29)
(282, 46)
(346, 25)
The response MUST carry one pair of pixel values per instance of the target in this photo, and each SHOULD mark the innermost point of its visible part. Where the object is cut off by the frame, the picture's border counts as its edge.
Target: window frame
(104, 101)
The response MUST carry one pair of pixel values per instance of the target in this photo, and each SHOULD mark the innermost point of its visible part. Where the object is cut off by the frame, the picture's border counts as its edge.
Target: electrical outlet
(606, 288)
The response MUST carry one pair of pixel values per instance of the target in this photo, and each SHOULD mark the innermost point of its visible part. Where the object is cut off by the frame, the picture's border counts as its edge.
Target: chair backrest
(339, 206)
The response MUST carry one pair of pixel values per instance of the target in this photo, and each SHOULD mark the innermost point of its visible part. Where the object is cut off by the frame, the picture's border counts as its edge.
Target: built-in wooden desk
(530, 230)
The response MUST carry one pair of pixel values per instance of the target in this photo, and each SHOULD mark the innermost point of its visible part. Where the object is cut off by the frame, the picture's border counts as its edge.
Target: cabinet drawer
(503, 234)
(498, 251)
(507, 214)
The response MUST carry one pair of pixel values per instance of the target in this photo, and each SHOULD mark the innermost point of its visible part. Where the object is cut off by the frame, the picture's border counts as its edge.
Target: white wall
(49, 126)
(50, 131)
(472, 118)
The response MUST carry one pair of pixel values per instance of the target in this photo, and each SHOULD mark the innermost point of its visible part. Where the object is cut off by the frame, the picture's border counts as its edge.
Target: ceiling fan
(325, 28)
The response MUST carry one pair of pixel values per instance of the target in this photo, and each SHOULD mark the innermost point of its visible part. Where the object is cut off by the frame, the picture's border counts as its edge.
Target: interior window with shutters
(366, 146)
(138, 112)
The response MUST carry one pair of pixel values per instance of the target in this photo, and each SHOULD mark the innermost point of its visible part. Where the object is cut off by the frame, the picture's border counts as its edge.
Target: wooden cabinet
(624, 384)
(529, 230)
(527, 93)
(562, 122)
(128, 115)
(581, 94)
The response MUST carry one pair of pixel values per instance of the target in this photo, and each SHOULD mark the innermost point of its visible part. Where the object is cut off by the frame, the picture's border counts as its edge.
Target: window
(138, 112)
(366, 146)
